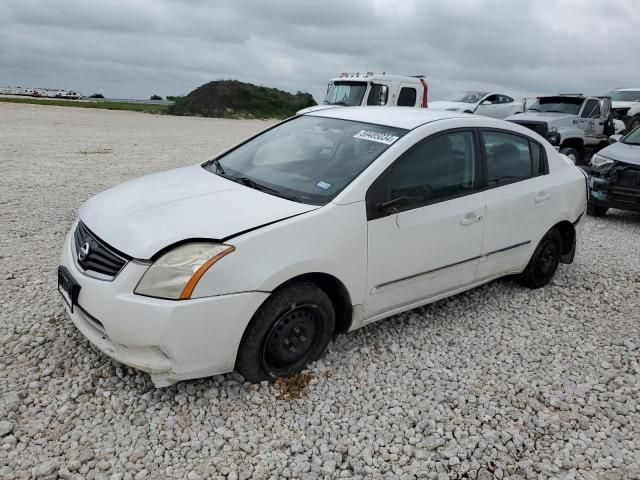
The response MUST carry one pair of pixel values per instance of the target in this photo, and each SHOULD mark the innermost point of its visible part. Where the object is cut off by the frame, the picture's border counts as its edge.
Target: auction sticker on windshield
(373, 136)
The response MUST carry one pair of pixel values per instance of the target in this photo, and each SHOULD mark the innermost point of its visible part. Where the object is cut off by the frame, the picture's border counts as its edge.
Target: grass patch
(136, 107)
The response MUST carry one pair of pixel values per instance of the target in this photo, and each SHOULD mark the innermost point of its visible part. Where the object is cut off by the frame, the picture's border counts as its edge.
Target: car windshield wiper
(263, 188)
(532, 110)
(631, 143)
(219, 168)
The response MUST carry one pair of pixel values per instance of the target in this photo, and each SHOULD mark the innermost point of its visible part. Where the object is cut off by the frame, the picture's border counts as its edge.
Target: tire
(596, 210)
(573, 154)
(544, 261)
(290, 330)
(633, 123)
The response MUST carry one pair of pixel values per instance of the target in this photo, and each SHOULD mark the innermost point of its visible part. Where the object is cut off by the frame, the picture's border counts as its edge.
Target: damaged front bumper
(616, 187)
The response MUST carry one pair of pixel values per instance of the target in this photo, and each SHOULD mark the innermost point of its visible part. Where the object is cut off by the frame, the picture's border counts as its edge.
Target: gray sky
(136, 48)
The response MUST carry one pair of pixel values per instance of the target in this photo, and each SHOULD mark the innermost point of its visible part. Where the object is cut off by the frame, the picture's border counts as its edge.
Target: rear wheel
(289, 331)
(573, 154)
(596, 210)
(544, 261)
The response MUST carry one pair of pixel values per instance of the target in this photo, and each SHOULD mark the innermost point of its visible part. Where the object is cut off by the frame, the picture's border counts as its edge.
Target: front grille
(539, 127)
(628, 177)
(92, 254)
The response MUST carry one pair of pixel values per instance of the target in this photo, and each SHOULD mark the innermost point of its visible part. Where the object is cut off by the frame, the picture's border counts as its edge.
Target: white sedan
(322, 224)
(489, 104)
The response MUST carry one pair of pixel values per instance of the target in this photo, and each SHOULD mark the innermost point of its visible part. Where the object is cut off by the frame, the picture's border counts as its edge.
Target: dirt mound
(234, 99)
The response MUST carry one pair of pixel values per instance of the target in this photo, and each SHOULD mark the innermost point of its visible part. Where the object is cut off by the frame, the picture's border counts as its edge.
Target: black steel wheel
(544, 261)
(289, 331)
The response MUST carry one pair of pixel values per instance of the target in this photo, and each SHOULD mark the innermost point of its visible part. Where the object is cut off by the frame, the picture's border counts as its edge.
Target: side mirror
(605, 108)
(486, 102)
(615, 138)
(384, 94)
(524, 105)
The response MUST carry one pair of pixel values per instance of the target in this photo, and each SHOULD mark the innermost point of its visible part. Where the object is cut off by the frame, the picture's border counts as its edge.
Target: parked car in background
(489, 104)
(323, 223)
(614, 175)
(373, 89)
(570, 122)
(626, 106)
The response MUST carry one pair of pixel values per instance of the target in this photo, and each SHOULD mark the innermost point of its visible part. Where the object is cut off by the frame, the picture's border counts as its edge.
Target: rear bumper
(171, 340)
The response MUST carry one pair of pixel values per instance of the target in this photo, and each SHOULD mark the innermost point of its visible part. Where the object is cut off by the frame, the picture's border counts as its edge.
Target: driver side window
(436, 169)
(591, 109)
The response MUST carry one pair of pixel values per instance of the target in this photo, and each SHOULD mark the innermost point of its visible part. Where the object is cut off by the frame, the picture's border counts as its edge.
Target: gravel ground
(500, 382)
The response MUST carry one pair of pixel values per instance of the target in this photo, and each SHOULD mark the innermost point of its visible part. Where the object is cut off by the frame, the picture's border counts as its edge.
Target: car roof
(398, 117)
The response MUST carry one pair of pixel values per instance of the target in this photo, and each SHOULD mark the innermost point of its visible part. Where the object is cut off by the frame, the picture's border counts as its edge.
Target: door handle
(471, 219)
(543, 197)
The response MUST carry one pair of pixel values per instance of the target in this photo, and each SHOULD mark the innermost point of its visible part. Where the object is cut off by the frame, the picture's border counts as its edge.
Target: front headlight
(176, 273)
(599, 161)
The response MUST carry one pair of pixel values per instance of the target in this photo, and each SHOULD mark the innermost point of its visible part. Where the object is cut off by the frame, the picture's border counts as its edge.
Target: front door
(490, 106)
(425, 223)
(590, 121)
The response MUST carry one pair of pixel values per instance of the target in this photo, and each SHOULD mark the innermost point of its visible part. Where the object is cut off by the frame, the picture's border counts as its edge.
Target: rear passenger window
(510, 158)
(407, 97)
(433, 170)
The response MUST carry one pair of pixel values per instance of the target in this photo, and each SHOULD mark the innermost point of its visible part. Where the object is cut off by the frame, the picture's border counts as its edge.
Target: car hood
(453, 106)
(555, 119)
(622, 152)
(142, 216)
(623, 104)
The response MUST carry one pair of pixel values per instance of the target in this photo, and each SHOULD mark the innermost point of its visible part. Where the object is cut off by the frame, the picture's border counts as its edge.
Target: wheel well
(337, 293)
(576, 143)
(568, 234)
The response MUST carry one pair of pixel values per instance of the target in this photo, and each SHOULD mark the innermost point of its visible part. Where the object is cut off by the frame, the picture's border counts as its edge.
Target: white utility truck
(369, 89)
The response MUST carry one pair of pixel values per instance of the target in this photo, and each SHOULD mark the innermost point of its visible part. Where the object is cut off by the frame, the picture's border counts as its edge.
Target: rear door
(516, 199)
(425, 222)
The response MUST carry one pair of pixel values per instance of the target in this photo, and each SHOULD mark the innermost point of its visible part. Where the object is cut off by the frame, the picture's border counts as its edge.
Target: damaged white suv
(322, 224)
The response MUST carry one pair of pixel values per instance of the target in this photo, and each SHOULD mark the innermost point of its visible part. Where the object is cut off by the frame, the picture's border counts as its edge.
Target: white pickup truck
(355, 89)
(570, 122)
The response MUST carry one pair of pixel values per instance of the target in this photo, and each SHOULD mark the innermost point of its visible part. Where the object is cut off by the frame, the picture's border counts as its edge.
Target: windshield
(624, 95)
(468, 97)
(345, 93)
(308, 159)
(632, 138)
(569, 105)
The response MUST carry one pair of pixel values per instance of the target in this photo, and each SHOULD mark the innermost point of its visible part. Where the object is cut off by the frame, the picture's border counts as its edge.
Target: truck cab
(570, 122)
(373, 89)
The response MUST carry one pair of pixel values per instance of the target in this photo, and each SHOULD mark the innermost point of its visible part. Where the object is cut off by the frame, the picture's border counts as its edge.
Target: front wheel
(289, 331)
(544, 261)
(572, 153)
